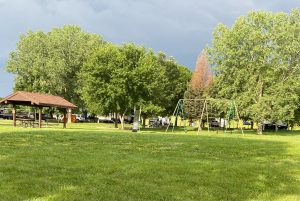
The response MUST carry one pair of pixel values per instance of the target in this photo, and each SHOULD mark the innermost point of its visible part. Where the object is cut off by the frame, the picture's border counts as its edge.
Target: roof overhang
(36, 99)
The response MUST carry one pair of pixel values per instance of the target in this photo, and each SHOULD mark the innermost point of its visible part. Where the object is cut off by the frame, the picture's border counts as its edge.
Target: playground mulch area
(88, 162)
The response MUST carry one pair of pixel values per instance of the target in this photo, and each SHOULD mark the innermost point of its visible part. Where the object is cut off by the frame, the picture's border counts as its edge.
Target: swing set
(201, 108)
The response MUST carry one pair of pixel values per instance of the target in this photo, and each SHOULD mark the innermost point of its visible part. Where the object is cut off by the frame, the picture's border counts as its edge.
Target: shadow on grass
(229, 131)
(93, 165)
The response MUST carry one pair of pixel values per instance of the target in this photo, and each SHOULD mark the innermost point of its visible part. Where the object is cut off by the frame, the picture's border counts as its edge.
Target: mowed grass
(91, 162)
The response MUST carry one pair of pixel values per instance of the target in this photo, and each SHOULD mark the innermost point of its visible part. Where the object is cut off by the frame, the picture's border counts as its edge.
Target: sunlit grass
(98, 162)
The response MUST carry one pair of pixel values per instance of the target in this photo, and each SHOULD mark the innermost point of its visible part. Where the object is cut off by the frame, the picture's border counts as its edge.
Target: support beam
(14, 114)
(69, 115)
(40, 116)
(201, 117)
(207, 119)
(64, 119)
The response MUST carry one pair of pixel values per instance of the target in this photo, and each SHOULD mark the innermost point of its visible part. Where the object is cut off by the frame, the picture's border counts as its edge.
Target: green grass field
(95, 162)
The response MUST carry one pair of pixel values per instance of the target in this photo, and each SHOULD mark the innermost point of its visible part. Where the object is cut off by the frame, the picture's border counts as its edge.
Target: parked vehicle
(7, 116)
(118, 120)
(153, 122)
(80, 118)
(44, 116)
(214, 123)
(246, 123)
(272, 125)
(106, 121)
(129, 119)
(159, 122)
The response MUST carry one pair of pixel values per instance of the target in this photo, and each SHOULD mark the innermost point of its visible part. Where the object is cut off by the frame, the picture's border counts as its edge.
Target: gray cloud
(179, 28)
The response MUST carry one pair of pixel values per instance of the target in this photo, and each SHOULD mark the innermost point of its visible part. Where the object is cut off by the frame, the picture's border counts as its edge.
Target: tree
(257, 64)
(202, 76)
(119, 78)
(166, 81)
(110, 79)
(151, 80)
(50, 62)
(198, 87)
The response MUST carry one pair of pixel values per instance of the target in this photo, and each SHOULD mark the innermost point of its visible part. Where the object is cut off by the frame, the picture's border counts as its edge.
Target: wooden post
(64, 119)
(207, 117)
(40, 116)
(14, 113)
(238, 117)
(200, 121)
(69, 115)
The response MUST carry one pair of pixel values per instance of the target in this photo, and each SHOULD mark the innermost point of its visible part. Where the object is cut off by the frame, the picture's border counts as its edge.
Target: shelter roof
(36, 99)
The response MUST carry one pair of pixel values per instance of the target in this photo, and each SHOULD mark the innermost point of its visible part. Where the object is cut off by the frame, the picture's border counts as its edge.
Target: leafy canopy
(257, 64)
(50, 62)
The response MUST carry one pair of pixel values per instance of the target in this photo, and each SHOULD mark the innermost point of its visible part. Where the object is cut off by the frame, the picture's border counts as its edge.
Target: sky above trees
(179, 28)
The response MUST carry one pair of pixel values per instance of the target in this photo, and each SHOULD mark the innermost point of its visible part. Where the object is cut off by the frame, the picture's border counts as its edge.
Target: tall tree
(257, 64)
(202, 76)
(50, 62)
(198, 87)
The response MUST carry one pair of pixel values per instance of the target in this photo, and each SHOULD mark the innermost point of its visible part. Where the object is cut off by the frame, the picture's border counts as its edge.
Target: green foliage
(119, 78)
(257, 64)
(114, 79)
(104, 81)
(173, 84)
(49, 62)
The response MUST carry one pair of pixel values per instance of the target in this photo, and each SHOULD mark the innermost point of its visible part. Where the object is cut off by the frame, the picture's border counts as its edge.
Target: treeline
(256, 63)
(97, 75)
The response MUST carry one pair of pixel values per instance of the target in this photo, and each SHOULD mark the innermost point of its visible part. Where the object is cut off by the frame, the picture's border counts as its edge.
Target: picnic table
(26, 122)
(52, 121)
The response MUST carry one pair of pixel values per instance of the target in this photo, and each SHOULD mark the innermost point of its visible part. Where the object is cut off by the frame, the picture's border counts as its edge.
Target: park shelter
(37, 100)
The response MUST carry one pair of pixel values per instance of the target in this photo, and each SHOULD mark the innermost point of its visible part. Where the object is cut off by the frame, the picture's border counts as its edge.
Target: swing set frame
(231, 114)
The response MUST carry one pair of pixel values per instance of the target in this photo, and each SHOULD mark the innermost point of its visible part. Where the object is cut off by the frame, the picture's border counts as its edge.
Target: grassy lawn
(95, 162)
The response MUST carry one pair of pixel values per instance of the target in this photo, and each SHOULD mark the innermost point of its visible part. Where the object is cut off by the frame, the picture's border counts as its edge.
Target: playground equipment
(207, 108)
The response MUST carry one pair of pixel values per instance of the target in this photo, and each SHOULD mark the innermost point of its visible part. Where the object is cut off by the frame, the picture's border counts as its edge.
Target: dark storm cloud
(179, 28)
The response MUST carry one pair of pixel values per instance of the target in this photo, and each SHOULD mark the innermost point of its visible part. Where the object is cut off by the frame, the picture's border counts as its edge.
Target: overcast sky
(179, 28)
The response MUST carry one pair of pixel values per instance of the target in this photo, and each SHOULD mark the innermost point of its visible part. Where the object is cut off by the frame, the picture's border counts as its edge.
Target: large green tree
(168, 83)
(49, 62)
(257, 64)
(109, 79)
(118, 78)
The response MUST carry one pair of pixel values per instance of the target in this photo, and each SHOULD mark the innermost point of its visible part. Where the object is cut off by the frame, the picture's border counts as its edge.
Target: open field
(97, 162)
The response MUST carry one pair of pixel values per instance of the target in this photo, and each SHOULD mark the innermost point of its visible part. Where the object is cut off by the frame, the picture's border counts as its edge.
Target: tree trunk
(176, 121)
(260, 94)
(116, 120)
(200, 125)
(252, 124)
(276, 128)
(144, 121)
(259, 128)
(122, 121)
